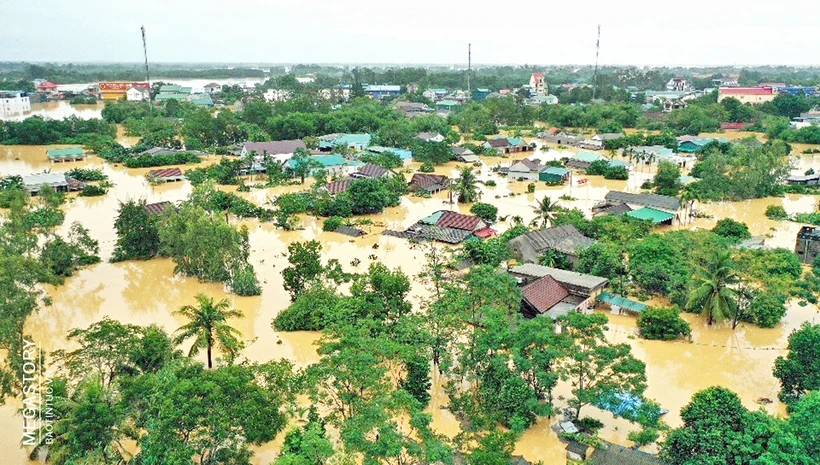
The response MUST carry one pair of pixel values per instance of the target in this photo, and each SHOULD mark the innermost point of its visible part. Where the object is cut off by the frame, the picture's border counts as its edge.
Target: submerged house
(158, 207)
(565, 239)
(525, 169)
(807, 247)
(279, 150)
(660, 209)
(67, 154)
(334, 164)
(554, 292)
(404, 154)
(583, 159)
(373, 171)
(554, 174)
(430, 183)
(507, 145)
(445, 226)
(355, 142)
(464, 154)
(693, 145)
(59, 181)
(165, 175)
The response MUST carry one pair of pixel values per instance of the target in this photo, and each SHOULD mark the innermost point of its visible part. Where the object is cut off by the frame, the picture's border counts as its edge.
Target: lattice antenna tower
(595, 74)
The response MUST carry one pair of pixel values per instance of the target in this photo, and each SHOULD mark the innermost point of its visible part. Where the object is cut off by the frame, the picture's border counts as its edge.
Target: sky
(633, 32)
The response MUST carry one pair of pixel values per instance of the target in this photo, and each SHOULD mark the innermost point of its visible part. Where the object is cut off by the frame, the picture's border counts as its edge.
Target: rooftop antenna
(147, 77)
(595, 75)
(469, 66)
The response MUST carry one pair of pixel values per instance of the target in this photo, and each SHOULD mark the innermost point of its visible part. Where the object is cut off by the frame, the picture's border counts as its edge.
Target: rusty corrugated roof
(157, 208)
(457, 220)
(165, 173)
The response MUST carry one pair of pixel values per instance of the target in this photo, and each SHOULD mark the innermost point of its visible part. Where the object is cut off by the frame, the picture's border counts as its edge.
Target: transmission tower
(469, 67)
(595, 75)
(147, 77)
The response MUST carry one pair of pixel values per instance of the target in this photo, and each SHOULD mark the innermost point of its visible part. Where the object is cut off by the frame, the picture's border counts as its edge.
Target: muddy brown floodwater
(148, 292)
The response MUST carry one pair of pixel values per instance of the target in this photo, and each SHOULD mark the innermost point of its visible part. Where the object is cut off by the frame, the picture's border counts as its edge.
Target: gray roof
(275, 147)
(458, 150)
(438, 233)
(609, 135)
(565, 239)
(663, 202)
(562, 276)
(33, 182)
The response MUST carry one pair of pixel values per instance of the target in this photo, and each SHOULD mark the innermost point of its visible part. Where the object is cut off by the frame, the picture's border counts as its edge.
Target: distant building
(434, 94)
(808, 244)
(382, 91)
(430, 183)
(480, 95)
(277, 95)
(677, 84)
(212, 88)
(525, 169)
(336, 94)
(46, 87)
(138, 94)
(447, 104)
(753, 95)
(59, 181)
(411, 109)
(14, 103)
(356, 142)
(118, 90)
(538, 84)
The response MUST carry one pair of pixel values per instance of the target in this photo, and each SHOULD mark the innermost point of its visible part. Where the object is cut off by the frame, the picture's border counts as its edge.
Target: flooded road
(148, 292)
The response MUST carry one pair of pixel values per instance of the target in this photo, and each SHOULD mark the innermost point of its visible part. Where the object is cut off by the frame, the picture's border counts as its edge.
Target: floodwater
(61, 109)
(148, 292)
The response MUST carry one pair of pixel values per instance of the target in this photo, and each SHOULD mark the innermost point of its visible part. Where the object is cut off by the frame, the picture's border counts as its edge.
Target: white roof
(562, 276)
(37, 180)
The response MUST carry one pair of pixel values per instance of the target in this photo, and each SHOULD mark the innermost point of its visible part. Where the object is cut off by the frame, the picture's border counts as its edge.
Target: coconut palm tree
(713, 291)
(688, 196)
(545, 210)
(467, 186)
(208, 327)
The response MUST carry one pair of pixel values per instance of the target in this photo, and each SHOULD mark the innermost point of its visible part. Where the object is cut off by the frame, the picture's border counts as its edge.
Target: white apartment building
(14, 103)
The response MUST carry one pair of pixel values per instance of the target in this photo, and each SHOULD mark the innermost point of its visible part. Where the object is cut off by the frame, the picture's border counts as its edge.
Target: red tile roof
(157, 208)
(47, 85)
(165, 173)
(459, 221)
(734, 125)
(485, 233)
(544, 293)
(338, 186)
(746, 90)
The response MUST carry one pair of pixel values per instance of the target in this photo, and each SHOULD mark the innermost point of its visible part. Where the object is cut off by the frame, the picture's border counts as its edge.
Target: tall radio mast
(595, 75)
(147, 77)
(469, 66)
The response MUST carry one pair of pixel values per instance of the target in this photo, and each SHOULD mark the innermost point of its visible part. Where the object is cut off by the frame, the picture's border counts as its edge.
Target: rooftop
(562, 276)
(157, 208)
(544, 293)
(275, 147)
(663, 202)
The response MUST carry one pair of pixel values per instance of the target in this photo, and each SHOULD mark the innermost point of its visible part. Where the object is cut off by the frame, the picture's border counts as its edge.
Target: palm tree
(688, 196)
(545, 211)
(467, 186)
(714, 288)
(208, 326)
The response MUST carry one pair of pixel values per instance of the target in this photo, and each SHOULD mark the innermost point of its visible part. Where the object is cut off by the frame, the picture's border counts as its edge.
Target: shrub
(332, 223)
(427, 167)
(91, 190)
(776, 212)
(244, 281)
(589, 424)
(490, 182)
(662, 323)
(598, 167)
(728, 227)
(616, 172)
(83, 174)
(531, 187)
(485, 211)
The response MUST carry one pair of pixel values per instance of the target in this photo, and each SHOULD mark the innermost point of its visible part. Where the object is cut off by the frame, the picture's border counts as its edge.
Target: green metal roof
(647, 213)
(65, 153)
(447, 103)
(556, 170)
(587, 156)
(623, 302)
(203, 101)
(170, 88)
(433, 219)
(616, 163)
(171, 96)
(324, 160)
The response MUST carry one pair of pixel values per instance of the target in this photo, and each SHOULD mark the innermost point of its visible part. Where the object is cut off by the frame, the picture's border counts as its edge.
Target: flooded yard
(148, 292)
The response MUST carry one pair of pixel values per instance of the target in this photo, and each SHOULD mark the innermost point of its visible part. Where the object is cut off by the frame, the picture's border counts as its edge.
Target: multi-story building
(807, 247)
(752, 95)
(14, 103)
(538, 84)
(677, 84)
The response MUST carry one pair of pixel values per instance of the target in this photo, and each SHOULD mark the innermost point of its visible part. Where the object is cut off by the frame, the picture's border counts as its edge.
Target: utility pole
(147, 77)
(469, 68)
(595, 75)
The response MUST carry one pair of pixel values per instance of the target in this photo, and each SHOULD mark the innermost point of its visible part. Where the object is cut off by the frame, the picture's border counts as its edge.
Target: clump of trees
(717, 428)
(201, 244)
(36, 130)
(799, 370)
(663, 323)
